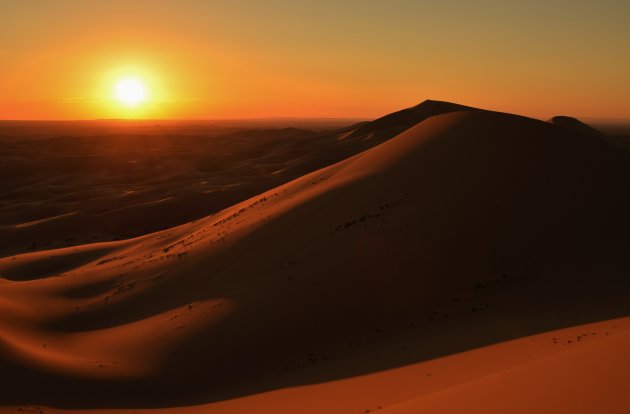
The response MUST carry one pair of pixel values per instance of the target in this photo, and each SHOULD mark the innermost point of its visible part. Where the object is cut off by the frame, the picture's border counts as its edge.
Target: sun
(130, 91)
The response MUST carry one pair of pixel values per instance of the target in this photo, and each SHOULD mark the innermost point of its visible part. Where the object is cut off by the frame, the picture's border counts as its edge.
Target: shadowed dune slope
(467, 229)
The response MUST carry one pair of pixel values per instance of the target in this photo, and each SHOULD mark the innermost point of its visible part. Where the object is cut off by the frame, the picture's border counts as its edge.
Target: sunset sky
(63, 59)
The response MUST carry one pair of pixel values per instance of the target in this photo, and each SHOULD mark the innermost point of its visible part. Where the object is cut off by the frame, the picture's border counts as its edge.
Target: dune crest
(576, 125)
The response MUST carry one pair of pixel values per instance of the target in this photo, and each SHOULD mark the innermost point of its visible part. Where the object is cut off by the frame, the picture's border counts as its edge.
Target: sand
(471, 261)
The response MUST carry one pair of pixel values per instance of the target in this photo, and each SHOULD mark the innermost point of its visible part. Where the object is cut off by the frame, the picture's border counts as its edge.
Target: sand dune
(589, 378)
(575, 125)
(395, 123)
(428, 239)
(127, 180)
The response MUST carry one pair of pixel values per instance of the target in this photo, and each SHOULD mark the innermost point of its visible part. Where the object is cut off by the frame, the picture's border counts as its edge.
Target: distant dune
(575, 125)
(440, 259)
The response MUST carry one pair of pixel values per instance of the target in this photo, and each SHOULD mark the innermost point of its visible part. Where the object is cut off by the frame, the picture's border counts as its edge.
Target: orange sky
(312, 58)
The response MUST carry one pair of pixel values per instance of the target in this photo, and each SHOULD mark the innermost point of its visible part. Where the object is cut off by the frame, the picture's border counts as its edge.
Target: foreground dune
(469, 247)
(538, 373)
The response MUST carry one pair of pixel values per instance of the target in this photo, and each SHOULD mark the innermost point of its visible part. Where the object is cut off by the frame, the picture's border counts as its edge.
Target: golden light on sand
(130, 91)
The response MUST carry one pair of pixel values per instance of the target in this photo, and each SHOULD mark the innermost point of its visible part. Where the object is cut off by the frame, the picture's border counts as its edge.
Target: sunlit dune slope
(589, 378)
(468, 229)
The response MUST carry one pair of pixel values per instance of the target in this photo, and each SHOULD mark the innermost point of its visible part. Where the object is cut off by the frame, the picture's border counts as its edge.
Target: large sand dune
(108, 180)
(471, 254)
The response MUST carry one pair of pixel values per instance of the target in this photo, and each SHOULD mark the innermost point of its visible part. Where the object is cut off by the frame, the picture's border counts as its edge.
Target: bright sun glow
(130, 92)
